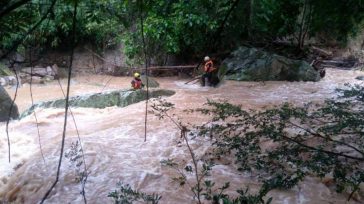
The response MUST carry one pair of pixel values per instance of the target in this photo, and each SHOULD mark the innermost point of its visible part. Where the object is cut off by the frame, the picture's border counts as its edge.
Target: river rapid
(113, 141)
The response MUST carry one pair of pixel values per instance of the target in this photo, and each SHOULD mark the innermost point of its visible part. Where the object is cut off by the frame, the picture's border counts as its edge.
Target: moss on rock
(120, 98)
(251, 64)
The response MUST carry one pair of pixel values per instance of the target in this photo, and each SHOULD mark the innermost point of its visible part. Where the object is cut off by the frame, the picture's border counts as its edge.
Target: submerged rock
(251, 64)
(360, 78)
(5, 104)
(120, 98)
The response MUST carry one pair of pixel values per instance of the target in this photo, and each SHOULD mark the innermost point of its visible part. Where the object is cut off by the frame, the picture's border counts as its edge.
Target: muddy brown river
(113, 141)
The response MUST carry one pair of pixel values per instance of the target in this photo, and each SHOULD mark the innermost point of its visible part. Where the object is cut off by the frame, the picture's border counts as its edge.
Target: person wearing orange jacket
(137, 83)
(209, 70)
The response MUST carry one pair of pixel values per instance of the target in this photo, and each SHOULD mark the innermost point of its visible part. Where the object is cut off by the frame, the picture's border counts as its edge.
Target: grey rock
(39, 75)
(36, 80)
(5, 106)
(9, 81)
(120, 98)
(251, 64)
(38, 71)
(55, 70)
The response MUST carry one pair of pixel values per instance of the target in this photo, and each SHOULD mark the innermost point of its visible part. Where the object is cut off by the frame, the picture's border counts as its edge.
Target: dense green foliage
(181, 27)
(95, 23)
(334, 20)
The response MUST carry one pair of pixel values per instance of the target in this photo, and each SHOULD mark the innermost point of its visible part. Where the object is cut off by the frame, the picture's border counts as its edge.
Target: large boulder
(39, 75)
(41, 72)
(251, 64)
(5, 105)
(152, 83)
(120, 98)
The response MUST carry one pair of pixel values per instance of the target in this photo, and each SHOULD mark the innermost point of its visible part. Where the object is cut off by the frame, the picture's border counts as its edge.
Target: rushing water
(113, 141)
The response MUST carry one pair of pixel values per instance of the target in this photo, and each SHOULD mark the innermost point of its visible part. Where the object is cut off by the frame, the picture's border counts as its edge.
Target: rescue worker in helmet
(137, 83)
(210, 72)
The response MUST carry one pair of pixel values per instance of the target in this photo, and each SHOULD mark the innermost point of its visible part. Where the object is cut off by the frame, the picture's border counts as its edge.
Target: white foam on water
(113, 141)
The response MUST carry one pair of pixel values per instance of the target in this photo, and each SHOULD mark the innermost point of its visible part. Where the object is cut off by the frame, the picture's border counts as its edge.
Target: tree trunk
(251, 19)
(305, 24)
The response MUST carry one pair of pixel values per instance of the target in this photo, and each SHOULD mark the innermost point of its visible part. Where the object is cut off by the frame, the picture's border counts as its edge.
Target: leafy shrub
(126, 195)
(316, 140)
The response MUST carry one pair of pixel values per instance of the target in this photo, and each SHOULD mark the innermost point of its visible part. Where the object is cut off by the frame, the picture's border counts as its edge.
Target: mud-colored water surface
(113, 141)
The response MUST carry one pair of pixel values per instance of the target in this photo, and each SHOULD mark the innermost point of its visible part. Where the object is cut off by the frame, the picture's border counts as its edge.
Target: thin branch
(31, 97)
(146, 69)
(308, 22)
(108, 81)
(352, 193)
(196, 190)
(101, 58)
(93, 63)
(183, 133)
(324, 151)
(194, 164)
(11, 110)
(67, 103)
(185, 178)
(177, 124)
(81, 147)
(326, 137)
(223, 23)
(302, 25)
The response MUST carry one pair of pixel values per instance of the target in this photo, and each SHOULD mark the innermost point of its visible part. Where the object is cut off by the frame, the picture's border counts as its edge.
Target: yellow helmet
(136, 74)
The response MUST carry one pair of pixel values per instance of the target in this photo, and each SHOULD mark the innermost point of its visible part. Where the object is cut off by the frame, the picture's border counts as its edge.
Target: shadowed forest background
(186, 29)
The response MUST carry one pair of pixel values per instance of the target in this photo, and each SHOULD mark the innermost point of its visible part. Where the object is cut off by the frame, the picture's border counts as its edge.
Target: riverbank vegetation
(187, 29)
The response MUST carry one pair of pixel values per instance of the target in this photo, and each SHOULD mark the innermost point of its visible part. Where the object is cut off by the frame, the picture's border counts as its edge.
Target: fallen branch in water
(195, 78)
